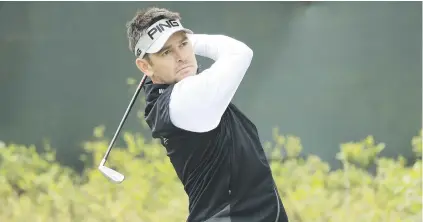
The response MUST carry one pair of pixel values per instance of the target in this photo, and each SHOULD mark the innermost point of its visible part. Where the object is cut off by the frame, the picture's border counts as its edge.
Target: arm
(198, 102)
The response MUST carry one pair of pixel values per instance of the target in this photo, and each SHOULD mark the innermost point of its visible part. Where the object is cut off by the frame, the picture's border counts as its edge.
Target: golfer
(214, 148)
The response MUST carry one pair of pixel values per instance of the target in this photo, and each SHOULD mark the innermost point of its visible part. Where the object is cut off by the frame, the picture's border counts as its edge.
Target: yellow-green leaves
(34, 187)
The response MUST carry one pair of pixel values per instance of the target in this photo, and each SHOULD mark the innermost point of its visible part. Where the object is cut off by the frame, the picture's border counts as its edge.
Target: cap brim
(160, 42)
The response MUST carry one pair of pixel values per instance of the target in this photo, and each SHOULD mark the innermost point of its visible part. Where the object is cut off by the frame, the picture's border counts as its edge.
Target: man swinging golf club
(214, 148)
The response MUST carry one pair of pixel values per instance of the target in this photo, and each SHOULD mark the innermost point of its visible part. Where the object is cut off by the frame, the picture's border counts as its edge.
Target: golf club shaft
(131, 104)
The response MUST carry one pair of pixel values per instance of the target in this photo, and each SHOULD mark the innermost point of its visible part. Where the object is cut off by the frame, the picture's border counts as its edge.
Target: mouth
(183, 68)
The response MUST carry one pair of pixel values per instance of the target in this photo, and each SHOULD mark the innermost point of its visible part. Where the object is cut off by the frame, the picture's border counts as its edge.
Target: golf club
(113, 175)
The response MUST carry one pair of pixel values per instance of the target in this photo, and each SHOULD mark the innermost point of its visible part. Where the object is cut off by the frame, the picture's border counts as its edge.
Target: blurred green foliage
(34, 187)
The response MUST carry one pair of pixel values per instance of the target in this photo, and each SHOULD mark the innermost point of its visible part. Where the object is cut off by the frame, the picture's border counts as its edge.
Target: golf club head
(113, 175)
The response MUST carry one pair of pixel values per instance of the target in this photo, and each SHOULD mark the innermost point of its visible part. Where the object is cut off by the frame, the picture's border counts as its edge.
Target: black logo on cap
(161, 27)
(138, 52)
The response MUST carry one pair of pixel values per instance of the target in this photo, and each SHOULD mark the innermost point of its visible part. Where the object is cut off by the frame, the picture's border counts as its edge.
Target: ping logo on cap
(147, 43)
(161, 27)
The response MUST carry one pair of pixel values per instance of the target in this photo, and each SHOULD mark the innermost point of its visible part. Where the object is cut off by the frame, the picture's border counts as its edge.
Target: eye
(184, 43)
(165, 53)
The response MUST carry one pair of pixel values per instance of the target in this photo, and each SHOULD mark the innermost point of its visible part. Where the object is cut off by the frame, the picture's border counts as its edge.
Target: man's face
(175, 61)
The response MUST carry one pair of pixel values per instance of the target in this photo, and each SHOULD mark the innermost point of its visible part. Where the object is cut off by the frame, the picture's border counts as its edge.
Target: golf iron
(113, 175)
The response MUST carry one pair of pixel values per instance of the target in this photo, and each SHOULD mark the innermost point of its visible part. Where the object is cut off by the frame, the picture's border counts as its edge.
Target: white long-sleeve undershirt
(198, 102)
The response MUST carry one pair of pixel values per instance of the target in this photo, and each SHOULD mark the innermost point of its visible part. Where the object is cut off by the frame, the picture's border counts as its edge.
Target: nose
(180, 56)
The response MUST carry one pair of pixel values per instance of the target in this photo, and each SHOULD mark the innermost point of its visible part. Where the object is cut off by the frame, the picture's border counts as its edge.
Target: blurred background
(326, 72)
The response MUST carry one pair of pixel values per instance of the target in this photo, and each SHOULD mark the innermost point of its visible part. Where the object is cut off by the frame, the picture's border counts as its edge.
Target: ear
(144, 66)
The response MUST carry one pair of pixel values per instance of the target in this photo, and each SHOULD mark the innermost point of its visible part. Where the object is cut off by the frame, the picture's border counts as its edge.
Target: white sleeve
(198, 102)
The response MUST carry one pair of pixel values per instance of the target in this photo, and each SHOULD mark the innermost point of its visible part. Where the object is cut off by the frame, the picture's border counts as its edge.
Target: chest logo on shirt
(165, 140)
(161, 91)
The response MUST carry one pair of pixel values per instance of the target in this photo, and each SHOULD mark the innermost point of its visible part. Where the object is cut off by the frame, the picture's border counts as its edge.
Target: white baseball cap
(154, 38)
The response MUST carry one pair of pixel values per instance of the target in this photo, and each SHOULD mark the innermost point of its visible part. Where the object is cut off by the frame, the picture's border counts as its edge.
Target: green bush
(34, 187)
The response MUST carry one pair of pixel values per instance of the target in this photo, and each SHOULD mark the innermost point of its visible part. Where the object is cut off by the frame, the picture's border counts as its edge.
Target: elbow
(237, 46)
(246, 51)
(249, 52)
